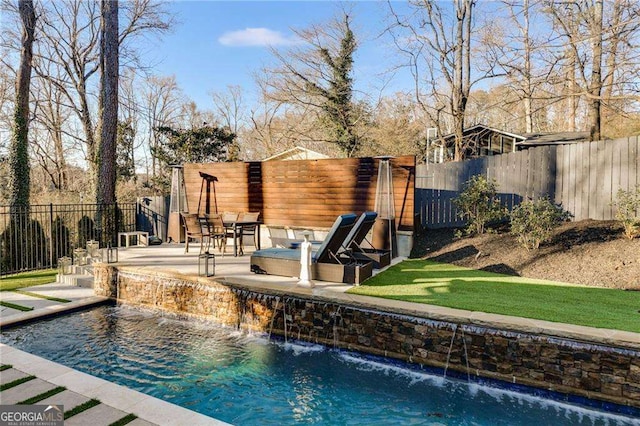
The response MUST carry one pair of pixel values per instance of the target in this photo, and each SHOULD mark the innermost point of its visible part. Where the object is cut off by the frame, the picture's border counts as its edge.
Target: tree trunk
(19, 149)
(528, 97)
(108, 103)
(461, 74)
(596, 73)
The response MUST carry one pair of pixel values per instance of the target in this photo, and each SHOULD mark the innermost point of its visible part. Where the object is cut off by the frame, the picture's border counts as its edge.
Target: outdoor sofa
(328, 262)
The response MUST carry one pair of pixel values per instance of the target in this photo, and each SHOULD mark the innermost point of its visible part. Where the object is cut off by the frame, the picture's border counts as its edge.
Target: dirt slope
(587, 252)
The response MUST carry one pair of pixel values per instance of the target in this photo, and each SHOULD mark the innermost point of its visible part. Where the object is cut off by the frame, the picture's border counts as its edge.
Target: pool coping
(53, 310)
(145, 407)
(336, 292)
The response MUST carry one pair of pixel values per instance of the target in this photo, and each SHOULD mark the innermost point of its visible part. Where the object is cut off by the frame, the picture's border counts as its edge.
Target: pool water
(249, 379)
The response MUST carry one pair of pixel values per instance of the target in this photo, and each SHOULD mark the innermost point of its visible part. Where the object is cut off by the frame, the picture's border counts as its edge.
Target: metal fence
(584, 178)
(36, 237)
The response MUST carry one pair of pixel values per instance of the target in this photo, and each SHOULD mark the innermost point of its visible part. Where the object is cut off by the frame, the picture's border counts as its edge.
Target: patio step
(77, 280)
(79, 276)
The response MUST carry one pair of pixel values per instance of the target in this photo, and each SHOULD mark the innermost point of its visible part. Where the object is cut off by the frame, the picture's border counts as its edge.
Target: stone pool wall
(592, 370)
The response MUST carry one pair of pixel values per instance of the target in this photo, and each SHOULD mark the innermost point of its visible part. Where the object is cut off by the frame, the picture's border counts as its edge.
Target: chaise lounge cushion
(327, 263)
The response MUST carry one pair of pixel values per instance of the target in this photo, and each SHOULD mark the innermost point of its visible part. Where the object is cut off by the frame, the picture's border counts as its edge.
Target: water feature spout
(273, 315)
(453, 336)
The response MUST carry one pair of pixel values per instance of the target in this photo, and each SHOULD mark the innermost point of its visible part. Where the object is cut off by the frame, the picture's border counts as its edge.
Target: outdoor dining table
(236, 227)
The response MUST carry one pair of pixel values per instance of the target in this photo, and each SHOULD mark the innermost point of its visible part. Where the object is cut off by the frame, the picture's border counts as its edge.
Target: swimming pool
(248, 379)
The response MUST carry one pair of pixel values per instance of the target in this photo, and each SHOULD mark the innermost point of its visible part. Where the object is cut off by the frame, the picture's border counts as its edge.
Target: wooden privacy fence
(584, 178)
(300, 192)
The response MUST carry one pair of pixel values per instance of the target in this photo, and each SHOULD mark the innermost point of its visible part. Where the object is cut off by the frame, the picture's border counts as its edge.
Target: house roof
(528, 139)
(557, 138)
(297, 153)
(481, 128)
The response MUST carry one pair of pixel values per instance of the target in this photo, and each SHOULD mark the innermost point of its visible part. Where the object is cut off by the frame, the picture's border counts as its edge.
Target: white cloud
(256, 37)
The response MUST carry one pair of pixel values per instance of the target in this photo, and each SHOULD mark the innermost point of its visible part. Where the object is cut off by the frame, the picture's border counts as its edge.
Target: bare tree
(601, 51)
(50, 118)
(230, 111)
(70, 42)
(397, 127)
(161, 104)
(19, 149)
(437, 40)
(228, 107)
(318, 75)
(519, 50)
(7, 98)
(277, 125)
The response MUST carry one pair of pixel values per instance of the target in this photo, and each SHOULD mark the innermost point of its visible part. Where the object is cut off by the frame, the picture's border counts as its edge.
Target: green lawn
(28, 279)
(433, 283)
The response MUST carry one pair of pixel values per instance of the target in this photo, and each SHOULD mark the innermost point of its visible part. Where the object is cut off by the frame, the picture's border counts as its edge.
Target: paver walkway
(101, 414)
(115, 402)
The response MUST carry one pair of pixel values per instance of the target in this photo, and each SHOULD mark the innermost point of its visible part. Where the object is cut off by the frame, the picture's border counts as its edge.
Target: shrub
(533, 222)
(627, 206)
(479, 204)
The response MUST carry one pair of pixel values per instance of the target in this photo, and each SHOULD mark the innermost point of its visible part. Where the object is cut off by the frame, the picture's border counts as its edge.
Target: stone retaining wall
(599, 372)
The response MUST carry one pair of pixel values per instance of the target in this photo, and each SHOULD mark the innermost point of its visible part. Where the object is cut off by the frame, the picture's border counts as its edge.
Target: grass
(428, 282)
(28, 279)
(42, 296)
(42, 396)
(14, 306)
(80, 408)
(16, 382)
(5, 367)
(125, 420)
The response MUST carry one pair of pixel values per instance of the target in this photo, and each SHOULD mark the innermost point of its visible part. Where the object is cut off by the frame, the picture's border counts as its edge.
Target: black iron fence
(36, 237)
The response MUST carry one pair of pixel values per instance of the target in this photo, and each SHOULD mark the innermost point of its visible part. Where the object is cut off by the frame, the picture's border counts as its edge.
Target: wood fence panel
(604, 186)
(559, 171)
(607, 182)
(565, 176)
(577, 175)
(301, 192)
(551, 179)
(524, 173)
(586, 173)
(534, 173)
(584, 178)
(634, 162)
(579, 179)
(615, 171)
(594, 169)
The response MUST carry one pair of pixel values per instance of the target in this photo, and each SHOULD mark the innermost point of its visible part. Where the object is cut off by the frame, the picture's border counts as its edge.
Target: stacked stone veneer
(595, 371)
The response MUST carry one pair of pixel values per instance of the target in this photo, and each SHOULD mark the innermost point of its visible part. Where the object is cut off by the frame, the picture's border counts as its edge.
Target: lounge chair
(353, 243)
(327, 264)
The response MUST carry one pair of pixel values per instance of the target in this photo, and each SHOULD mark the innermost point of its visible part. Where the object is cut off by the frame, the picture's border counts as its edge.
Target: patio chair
(327, 263)
(194, 229)
(279, 236)
(353, 243)
(217, 232)
(229, 219)
(249, 230)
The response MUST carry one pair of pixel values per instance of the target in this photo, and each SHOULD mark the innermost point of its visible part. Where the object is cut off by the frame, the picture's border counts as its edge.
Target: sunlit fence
(36, 237)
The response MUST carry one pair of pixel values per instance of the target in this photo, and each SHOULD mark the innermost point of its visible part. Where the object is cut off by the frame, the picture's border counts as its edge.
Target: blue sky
(220, 43)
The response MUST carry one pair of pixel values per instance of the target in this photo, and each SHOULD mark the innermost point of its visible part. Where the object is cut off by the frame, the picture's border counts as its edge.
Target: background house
(552, 138)
(297, 153)
(482, 141)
